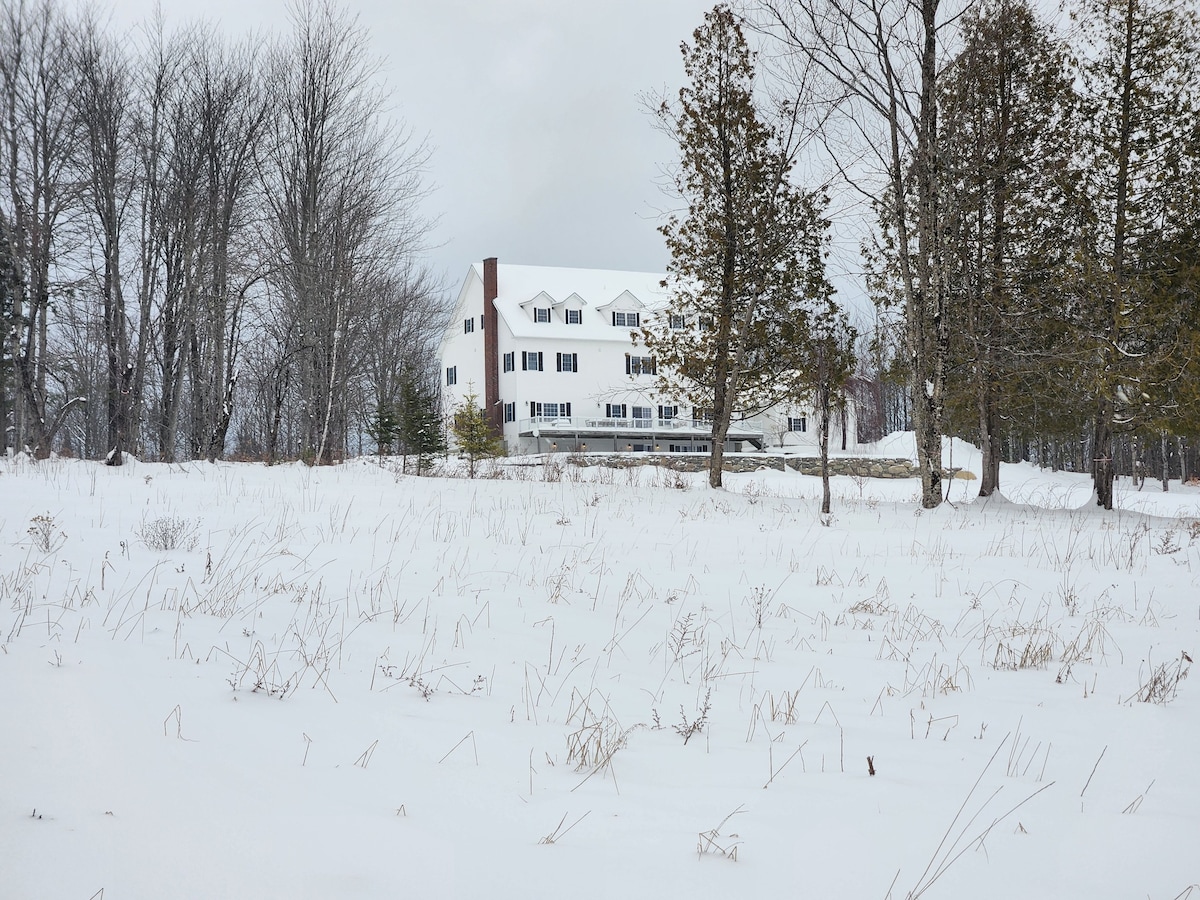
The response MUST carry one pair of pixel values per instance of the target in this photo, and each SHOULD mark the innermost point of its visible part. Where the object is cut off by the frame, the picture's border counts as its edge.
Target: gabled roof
(593, 290)
(625, 302)
(574, 302)
(542, 299)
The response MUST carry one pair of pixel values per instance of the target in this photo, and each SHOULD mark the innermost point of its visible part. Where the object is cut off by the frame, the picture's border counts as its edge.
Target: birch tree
(343, 188)
(881, 61)
(38, 140)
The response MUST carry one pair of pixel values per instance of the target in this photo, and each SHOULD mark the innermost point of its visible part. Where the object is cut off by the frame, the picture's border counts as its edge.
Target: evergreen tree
(1008, 108)
(384, 427)
(419, 427)
(1143, 171)
(746, 255)
(473, 436)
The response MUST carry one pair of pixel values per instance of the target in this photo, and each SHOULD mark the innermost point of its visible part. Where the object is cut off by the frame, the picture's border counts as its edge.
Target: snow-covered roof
(592, 290)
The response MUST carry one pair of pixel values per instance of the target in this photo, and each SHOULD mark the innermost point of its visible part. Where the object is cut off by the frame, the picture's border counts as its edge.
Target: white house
(552, 356)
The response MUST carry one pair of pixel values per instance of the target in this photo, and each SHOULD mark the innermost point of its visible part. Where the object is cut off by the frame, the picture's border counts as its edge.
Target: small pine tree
(472, 434)
(420, 427)
(384, 427)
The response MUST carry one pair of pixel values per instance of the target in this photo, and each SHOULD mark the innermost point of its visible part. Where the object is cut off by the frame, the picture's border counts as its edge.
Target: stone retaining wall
(866, 467)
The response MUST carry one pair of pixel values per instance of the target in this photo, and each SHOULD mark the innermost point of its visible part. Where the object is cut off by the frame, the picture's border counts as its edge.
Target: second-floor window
(531, 361)
(615, 411)
(451, 376)
(639, 365)
(568, 362)
(510, 361)
(668, 412)
(468, 325)
(541, 314)
(510, 412)
(574, 316)
(626, 319)
(797, 423)
(677, 322)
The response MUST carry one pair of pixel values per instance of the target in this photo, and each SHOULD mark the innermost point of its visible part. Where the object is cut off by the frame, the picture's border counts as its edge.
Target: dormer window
(574, 316)
(541, 314)
(626, 319)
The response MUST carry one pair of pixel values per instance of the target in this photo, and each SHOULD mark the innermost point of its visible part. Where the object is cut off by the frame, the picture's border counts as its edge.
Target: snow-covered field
(346, 683)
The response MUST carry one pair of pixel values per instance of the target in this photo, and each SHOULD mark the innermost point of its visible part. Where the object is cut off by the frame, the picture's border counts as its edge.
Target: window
(677, 322)
(510, 412)
(550, 410)
(531, 361)
(615, 411)
(643, 417)
(468, 325)
(639, 365)
(574, 316)
(705, 323)
(668, 412)
(798, 423)
(451, 375)
(626, 320)
(510, 361)
(541, 314)
(702, 413)
(568, 362)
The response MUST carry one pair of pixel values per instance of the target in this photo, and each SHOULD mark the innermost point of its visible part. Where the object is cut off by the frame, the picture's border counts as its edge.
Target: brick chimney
(493, 411)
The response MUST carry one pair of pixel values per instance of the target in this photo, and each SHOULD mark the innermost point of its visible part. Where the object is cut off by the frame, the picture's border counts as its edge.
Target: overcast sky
(542, 153)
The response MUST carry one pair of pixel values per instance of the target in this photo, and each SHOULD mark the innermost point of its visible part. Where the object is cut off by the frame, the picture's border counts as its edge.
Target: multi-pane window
(668, 412)
(639, 365)
(541, 314)
(568, 362)
(626, 319)
(615, 410)
(510, 412)
(468, 325)
(510, 361)
(798, 423)
(550, 410)
(531, 361)
(574, 316)
(643, 417)
(702, 413)
(451, 375)
(705, 323)
(677, 322)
